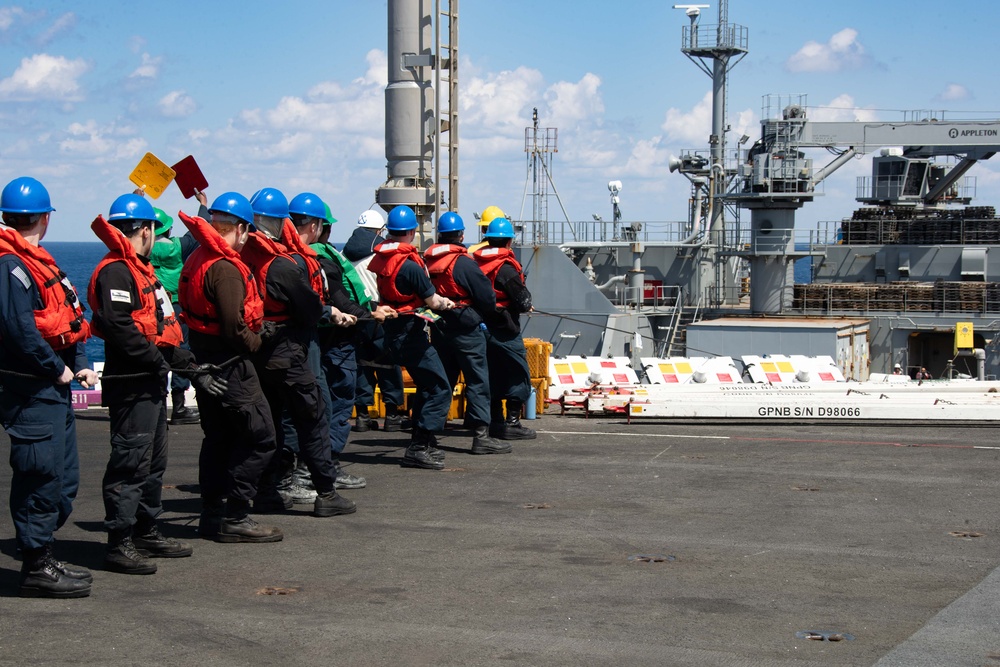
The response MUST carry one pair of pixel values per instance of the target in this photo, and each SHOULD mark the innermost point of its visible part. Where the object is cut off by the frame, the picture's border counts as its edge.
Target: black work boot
(67, 569)
(395, 421)
(152, 541)
(41, 577)
(213, 510)
(482, 443)
(269, 501)
(122, 556)
(345, 480)
(421, 453)
(239, 527)
(511, 428)
(363, 423)
(332, 504)
(180, 413)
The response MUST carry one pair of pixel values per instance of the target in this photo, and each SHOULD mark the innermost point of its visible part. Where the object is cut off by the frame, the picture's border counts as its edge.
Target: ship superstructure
(898, 278)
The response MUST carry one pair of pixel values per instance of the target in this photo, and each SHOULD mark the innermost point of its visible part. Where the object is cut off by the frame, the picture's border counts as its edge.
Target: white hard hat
(371, 219)
(897, 366)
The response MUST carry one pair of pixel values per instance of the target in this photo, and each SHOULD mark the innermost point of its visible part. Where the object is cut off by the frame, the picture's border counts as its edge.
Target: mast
(715, 49)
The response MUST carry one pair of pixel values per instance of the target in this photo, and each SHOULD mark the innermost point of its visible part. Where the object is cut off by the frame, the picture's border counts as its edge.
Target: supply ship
(904, 280)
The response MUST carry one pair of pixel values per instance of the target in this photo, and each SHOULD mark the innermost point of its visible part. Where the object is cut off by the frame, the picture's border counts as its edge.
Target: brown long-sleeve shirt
(225, 288)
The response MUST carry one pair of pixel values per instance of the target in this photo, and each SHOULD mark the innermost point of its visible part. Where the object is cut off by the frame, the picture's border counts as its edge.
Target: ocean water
(78, 261)
(803, 269)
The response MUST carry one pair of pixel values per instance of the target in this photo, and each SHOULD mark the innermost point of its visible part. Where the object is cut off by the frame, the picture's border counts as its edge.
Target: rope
(130, 376)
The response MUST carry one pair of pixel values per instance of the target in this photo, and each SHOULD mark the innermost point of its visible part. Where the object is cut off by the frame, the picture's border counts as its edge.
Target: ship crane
(776, 156)
(776, 178)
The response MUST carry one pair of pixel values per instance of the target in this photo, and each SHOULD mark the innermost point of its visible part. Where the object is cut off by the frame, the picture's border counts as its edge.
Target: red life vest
(385, 264)
(154, 318)
(199, 313)
(440, 259)
(491, 260)
(258, 254)
(60, 320)
(293, 242)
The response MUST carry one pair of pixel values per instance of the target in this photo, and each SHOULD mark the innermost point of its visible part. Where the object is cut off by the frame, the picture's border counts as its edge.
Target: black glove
(213, 386)
(268, 330)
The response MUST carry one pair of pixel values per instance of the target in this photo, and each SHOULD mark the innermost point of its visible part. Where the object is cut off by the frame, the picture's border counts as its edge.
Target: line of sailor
(269, 322)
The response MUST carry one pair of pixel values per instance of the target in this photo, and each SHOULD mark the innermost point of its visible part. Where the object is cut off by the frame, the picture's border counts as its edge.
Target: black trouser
(296, 390)
(133, 479)
(510, 378)
(179, 382)
(371, 348)
(407, 345)
(239, 434)
(465, 351)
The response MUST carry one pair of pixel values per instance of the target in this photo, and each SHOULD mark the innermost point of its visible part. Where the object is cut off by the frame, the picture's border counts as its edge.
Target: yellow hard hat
(489, 214)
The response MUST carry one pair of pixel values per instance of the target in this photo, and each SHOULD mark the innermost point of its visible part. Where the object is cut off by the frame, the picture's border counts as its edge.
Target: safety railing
(535, 232)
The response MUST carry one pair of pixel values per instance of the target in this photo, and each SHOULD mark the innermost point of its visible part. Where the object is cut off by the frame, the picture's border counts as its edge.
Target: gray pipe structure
(409, 112)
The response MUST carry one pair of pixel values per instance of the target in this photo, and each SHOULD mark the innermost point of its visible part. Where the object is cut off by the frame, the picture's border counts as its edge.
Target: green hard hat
(163, 221)
(329, 216)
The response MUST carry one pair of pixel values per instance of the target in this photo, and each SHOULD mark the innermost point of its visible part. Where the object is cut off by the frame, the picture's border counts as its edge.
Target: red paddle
(189, 178)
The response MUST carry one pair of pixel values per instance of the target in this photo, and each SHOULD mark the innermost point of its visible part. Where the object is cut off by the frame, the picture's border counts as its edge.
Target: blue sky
(291, 95)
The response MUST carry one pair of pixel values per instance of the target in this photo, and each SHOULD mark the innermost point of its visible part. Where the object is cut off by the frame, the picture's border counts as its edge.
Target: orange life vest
(440, 259)
(154, 318)
(293, 242)
(258, 254)
(60, 321)
(388, 259)
(491, 260)
(199, 313)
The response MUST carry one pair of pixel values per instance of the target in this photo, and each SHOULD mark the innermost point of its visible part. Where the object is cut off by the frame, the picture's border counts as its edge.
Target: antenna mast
(715, 49)
(541, 144)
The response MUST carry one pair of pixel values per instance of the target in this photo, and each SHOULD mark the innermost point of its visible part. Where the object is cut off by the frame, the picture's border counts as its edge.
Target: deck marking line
(639, 435)
(863, 442)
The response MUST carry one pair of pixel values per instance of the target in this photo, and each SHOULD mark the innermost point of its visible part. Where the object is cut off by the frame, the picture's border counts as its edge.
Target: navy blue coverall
(36, 413)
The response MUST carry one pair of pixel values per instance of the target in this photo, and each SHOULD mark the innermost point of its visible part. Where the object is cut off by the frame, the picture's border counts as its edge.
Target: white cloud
(45, 77)
(378, 68)
(841, 109)
(64, 23)
(570, 103)
(136, 43)
(691, 129)
(843, 51)
(501, 102)
(647, 158)
(149, 69)
(97, 144)
(9, 15)
(177, 104)
(954, 92)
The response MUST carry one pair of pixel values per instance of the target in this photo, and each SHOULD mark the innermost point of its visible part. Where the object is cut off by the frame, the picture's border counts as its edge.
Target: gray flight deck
(599, 543)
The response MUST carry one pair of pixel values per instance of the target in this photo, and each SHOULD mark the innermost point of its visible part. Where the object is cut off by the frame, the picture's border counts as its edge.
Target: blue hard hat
(131, 207)
(500, 228)
(450, 222)
(235, 204)
(308, 204)
(270, 202)
(401, 219)
(25, 195)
